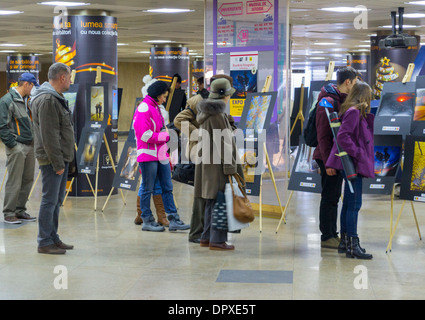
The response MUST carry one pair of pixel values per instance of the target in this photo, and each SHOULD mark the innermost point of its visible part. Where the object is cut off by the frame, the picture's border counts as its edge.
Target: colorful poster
(243, 70)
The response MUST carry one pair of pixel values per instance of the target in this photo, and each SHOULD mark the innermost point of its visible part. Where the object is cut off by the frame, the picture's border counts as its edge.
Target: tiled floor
(114, 259)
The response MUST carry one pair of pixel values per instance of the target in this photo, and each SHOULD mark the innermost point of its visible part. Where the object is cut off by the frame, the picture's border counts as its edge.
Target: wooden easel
(406, 78)
(266, 89)
(328, 78)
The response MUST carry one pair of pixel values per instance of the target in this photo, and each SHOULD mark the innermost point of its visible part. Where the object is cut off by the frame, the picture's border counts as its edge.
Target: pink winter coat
(148, 123)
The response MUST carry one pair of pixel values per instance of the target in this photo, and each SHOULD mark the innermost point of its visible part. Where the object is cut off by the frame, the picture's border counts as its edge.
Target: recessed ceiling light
(324, 43)
(317, 58)
(7, 51)
(122, 44)
(168, 10)
(414, 15)
(421, 3)
(12, 45)
(159, 41)
(64, 3)
(363, 46)
(345, 9)
(9, 12)
(143, 52)
(405, 26)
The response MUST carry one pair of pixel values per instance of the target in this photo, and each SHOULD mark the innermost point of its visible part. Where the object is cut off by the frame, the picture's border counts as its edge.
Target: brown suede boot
(160, 211)
(138, 219)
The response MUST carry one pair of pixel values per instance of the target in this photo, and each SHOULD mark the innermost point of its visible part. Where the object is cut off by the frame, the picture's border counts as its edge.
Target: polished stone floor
(114, 259)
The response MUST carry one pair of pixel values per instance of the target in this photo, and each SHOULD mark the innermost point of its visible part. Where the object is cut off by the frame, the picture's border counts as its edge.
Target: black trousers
(331, 193)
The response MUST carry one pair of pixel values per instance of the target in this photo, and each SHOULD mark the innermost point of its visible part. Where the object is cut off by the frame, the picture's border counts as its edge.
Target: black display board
(127, 175)
(305, 175)
(89, 148)
(295, 110)
(413, 179)
(176, 104)
(395, 112)
(387, 160)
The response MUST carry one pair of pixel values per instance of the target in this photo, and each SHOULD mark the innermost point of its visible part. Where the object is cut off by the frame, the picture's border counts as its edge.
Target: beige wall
(130, 78)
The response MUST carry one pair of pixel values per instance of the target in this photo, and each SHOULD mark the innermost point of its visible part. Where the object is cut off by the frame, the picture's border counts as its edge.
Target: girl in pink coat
(152, 137)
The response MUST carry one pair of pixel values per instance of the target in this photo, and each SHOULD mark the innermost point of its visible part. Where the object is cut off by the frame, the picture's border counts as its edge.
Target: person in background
(201, 88)
(211, 177)
(331, 179)
(188, 116)
(152, 137)
(355, 136)
(16, 132)
(54, 149)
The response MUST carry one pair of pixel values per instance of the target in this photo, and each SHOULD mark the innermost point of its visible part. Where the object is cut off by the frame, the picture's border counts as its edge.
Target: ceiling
(33, 28)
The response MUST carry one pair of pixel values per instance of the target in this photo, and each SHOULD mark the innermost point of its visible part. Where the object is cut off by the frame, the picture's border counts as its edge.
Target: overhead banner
(17, 65)
(88, 44)
(166, 61)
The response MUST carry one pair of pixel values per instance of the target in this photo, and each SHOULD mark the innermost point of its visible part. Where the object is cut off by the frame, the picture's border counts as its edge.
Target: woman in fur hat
(217, 157)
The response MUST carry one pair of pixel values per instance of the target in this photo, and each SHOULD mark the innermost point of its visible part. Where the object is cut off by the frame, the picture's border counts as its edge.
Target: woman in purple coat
(355, 136)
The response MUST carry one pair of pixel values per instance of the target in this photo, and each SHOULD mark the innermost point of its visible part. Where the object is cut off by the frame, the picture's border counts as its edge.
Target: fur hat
(221, 88)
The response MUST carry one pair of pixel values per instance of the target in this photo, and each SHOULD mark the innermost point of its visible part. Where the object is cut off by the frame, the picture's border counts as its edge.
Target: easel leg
(107, 199)
(33, 186)
(273, 180)
(395, 227)
(112, 162)
(416, 220)
(67, 191)
(97, 180)
(260, 205)
(286, 207)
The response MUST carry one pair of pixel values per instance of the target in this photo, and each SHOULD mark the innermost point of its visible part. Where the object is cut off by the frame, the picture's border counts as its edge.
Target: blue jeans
(156, 190)
(351, 206)
(53, 194)
(153, 171)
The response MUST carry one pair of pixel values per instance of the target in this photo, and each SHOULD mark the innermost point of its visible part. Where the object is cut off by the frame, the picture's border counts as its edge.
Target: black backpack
(310, 130)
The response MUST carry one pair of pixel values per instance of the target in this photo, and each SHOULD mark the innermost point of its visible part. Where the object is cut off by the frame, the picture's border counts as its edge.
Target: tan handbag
(242, 209)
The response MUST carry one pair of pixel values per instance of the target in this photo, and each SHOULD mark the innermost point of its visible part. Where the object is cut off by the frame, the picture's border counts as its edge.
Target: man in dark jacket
(16, 134)
(54, 150)
(331, 179)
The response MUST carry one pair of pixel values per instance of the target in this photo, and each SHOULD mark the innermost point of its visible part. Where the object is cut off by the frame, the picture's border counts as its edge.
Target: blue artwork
(387, 160)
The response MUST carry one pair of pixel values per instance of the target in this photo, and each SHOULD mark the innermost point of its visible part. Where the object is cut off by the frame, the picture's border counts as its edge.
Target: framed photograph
(387, 160)
(97, 105)
(305, 175)
(413, 178)
(396, 108)
(88, 149)
(257, 112)
(71, 96)
(418, 122)
(127, 175)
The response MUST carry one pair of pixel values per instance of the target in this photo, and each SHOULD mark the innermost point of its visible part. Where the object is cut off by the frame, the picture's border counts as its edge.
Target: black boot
(354, 250)
(342, 248)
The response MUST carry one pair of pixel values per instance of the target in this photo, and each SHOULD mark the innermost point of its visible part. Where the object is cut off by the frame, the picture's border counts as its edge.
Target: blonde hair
(359, 97)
